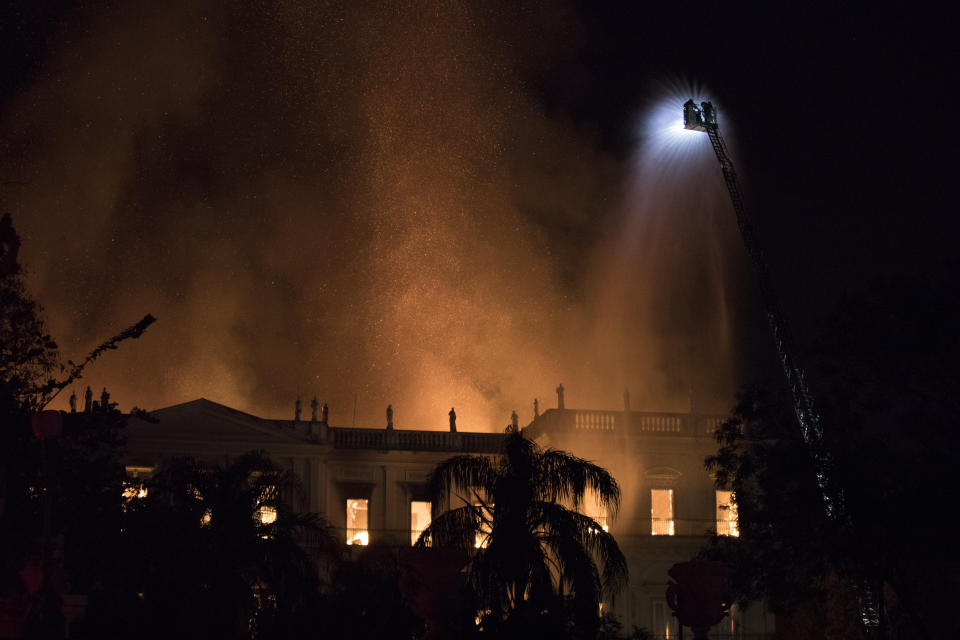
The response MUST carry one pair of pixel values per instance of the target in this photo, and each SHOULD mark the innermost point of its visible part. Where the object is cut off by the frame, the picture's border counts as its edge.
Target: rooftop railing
(396, 439)
(629, 422)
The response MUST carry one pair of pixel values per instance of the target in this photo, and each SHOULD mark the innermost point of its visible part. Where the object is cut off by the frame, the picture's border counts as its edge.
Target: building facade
(370, 483)
(669, 507)
(365, 481)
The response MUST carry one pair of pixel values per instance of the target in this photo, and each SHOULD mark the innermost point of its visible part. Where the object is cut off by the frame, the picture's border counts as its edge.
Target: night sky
(436, 204)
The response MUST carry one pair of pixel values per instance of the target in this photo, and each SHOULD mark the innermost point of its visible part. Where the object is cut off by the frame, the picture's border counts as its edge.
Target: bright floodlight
(699, 118)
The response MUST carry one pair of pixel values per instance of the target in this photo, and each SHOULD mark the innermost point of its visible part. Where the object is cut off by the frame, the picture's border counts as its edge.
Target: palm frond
(576, 567)
(459, 474)
(487, 580)
(455, 529)
(566, 478)
(559, 525)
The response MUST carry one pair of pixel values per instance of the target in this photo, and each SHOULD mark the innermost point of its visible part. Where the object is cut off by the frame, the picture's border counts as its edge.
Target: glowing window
(727, 514)
(593, 509)
(419, 519)
(661, 512)
(134, 487)
(482, 538)
(357, 531)
(267, 515)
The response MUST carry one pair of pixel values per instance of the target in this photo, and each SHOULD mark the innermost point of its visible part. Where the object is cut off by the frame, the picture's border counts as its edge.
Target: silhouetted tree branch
(52, 388)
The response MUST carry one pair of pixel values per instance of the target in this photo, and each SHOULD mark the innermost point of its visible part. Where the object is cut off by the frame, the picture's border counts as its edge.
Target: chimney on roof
(560, 391)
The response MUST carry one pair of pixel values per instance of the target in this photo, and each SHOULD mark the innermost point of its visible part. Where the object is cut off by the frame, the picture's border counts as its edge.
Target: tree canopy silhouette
(216, 551)
(888, 392)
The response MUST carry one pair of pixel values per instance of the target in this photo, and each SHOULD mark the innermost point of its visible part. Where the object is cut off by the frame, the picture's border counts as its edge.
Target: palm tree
(533, 554)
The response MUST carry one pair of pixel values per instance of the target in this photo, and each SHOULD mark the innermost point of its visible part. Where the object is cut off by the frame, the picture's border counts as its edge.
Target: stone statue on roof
(453, 420)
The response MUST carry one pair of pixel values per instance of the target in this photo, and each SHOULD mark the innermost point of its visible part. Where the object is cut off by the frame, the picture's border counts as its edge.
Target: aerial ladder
(704, 118)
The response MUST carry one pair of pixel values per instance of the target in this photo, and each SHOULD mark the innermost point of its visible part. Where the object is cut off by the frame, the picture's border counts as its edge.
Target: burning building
(670, 505)
(370, 483)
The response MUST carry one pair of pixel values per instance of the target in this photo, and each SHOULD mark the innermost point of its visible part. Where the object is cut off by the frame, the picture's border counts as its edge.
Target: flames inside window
(727, 514)
(133, 491)
(661, 512)
(593, 509)
(134, 487)
(482, 538)
(357, 531)
(419, 519)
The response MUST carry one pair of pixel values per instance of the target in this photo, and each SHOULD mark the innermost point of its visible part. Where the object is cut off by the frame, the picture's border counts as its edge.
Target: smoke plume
(369, 205)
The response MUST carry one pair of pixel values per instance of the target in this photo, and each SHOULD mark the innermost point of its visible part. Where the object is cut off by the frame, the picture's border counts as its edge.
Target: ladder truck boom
(704, 118)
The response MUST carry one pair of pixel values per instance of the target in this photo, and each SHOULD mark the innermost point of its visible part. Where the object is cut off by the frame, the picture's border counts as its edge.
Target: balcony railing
(678, 527)
(358, 536)
(663, 527)
(595, 420)
(728, 528)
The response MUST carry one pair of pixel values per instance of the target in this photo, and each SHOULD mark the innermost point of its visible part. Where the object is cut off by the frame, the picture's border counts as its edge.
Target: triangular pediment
(203, 420)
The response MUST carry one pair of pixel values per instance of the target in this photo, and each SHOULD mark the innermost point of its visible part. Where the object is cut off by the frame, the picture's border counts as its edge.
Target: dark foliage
(200, 561)
(365, 600)
(886, 385)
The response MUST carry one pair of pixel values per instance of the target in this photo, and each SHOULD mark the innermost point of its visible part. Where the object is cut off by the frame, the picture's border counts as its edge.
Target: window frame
(358, 539)
(669, 524)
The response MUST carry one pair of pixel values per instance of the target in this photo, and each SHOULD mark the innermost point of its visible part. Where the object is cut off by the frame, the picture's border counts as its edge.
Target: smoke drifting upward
(365, 203)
